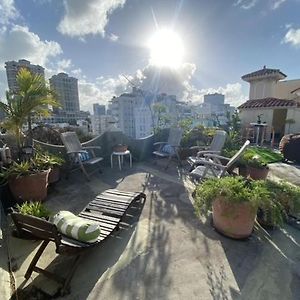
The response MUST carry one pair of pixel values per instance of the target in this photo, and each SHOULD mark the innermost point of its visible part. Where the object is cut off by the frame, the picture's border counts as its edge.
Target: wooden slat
(96, 219)
(113, 198)
(104, 208)
(115, 191)
(112, 203)
(102, 224)
(101, 216)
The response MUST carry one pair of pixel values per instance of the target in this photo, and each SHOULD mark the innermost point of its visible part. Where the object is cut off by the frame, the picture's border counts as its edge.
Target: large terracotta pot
(30, 188)
(258, 174)
(235, 220)
(54, 175)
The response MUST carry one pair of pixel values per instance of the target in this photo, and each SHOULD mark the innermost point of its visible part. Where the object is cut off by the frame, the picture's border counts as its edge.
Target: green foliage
(36, 209)
(24, 168)
(32, 99)
(274, 200)
(267, 155)
(162, 119)
(233, 189)
(46, 160)
(254, 161)
(198, 136)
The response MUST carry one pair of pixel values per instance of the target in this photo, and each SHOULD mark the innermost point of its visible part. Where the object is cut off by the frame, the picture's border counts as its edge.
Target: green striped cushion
(75, 227)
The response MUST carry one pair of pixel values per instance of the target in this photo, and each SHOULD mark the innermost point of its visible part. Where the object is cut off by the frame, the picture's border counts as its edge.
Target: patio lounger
(214, 148)
(107, 209)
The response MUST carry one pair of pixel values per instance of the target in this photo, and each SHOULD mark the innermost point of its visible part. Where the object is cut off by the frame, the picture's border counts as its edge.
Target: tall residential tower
(67, 93)
(13, 67)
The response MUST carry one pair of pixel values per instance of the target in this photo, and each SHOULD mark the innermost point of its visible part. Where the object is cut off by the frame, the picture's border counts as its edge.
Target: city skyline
(100, 41)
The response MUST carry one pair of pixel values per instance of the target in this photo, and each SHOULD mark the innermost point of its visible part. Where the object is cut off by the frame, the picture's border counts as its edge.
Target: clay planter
(54, 175)
(30, 188)
(120, 148)
(258, 174)
(235, 220)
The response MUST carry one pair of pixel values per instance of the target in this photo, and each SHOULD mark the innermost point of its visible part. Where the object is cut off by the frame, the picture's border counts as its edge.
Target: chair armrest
(212, 164)
(207, 152)
(198, 148)
(216, 156)
(92, 147)
(159, 143)
(74, 152)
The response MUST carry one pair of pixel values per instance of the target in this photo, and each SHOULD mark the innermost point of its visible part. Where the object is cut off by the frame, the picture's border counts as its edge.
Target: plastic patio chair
(213, 167)
(78, 154)
(170, 148)
(214, 148)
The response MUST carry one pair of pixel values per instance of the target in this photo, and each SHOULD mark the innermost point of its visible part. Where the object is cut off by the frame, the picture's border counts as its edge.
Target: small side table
(120, 156)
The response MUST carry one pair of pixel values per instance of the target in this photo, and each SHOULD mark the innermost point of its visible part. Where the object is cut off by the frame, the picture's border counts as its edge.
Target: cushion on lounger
(168, 149)
(76, 227)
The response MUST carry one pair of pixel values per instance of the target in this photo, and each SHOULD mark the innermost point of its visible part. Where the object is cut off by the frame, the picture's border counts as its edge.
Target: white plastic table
(259, 127)
(120, 156)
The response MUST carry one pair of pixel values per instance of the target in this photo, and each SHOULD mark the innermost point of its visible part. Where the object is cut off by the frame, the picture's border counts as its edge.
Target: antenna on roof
(264, 66)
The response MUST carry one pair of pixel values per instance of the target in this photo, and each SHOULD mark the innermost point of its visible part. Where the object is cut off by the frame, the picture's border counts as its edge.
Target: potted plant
(257, 168)
(285, 200)
(36, 209)
(50, 161)
(233, 201)
(27, 181)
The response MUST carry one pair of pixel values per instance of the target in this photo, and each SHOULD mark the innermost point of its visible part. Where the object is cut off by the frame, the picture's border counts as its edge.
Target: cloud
(248, 4)
(292, 37)
(245, 4)
(7, 11)
(19, 42)
(276, 3)
(156, 80)
(87, 17)
(113, 37)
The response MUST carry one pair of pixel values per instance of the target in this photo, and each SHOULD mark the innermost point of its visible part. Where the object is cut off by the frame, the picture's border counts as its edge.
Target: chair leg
(35, 259)
(84, 171)
(66, 287)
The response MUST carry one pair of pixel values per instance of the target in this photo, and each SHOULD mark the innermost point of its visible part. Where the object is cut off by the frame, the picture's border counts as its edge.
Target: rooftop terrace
(164, 251)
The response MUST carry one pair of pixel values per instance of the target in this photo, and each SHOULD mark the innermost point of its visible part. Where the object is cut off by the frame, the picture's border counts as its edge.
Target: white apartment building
(67, 92)
(13, 67)
(143, 121)
(103, 123)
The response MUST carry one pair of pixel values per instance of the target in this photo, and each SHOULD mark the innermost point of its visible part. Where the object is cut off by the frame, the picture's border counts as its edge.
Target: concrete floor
(168, 253)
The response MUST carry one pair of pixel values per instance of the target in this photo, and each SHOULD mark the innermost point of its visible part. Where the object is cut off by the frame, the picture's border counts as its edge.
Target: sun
(166, 49)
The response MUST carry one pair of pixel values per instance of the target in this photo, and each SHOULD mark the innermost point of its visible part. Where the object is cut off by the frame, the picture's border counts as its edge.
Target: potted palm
(233, 201)
(257, 168)
(27, 180)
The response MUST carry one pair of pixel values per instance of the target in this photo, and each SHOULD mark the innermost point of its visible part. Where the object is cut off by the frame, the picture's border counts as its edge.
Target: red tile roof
(269, 102)
(262, 72)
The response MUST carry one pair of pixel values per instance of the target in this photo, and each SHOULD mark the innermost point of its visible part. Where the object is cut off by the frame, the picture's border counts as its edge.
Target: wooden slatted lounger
(108, 209)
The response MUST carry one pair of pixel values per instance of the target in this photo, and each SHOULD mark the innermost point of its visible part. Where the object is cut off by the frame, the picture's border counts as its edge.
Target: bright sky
(184, 47)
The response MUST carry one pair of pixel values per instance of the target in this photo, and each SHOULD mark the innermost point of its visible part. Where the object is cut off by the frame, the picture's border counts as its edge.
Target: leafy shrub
(254, 161)
(233, 189)
(36, 209)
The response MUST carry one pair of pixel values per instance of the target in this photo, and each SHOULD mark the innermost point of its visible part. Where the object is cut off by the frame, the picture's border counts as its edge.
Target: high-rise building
(13, 67)
(98, 109)
(67, 93)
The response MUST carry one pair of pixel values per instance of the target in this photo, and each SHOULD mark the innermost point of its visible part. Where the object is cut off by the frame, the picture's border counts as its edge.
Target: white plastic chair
(213, 167)
(214, 148)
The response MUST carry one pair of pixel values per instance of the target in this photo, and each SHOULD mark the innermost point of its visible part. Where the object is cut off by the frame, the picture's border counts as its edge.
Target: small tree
(32, 99)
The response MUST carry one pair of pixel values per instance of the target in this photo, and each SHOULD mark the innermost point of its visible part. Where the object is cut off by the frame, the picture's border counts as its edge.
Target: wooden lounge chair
(79, 155)
(107, 209)
(170, 148)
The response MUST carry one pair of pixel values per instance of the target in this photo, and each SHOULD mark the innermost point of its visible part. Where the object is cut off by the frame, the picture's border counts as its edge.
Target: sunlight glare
(166, 49)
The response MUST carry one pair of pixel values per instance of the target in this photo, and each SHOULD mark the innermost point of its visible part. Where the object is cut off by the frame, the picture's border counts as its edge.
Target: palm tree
(32, 99)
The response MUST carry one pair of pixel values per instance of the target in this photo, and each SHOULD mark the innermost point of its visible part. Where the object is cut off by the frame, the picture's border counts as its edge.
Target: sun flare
(166, 49)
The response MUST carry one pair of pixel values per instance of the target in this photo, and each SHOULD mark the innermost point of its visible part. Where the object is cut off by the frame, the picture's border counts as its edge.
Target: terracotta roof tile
(264, 71)
(269, 102)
